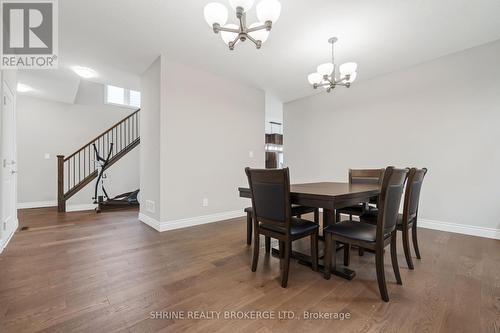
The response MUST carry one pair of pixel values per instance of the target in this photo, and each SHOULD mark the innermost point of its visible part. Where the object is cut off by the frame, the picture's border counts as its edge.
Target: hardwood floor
(83, 272)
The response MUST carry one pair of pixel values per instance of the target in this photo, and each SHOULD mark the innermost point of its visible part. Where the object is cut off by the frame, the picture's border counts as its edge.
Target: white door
(8, 165)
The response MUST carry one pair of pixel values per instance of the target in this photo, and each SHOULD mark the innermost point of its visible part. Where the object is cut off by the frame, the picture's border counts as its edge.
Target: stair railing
(79, 169)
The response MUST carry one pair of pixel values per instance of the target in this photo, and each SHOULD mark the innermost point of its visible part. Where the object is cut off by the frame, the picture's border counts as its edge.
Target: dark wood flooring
(82, 272)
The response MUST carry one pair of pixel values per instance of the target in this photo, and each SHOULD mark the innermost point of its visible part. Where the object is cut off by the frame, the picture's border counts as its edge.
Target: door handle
(6, 163)
(13, 172)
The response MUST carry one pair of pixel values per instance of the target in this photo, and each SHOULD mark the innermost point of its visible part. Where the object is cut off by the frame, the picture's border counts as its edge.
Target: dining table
(327, 196)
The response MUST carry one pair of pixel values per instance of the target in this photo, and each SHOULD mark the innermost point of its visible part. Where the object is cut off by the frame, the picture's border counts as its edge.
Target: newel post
(61, 202)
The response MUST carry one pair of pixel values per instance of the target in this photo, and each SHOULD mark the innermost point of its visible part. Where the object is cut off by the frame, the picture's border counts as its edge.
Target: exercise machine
(101, 197)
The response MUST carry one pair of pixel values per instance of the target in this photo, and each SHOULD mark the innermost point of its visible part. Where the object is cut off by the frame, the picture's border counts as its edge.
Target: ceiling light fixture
(268, 12)
(84, 72)
(326, 74)
(22, 88)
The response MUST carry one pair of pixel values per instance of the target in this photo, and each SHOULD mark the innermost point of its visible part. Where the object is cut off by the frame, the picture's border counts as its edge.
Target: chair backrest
(270, 189)
(366, 176)
(389, 200)
(412, 193)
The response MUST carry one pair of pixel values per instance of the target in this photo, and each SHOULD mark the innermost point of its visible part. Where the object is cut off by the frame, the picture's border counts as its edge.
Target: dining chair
(369, 236)
(272, 217)
(408, 219)
(297, 210)
(361, 176)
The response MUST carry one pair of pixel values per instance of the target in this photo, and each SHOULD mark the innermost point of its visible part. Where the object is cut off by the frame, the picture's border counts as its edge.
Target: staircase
(78, 169)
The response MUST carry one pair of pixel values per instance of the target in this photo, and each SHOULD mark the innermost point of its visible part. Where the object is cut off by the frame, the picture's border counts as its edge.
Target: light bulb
(325, 69)
(352, 77)
(268, 10)
(229, 36)
(215, 13)
(259, 34)
(348, 68)
(314, 78)
(325, 82)
(84, 72)
(245, 4)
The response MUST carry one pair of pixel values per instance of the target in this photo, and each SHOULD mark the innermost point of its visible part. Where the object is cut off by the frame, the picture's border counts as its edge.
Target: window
(135, 98)
(122, 96)
(115, 95)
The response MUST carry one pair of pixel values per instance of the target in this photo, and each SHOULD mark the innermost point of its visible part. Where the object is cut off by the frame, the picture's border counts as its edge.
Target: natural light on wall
(122, 96)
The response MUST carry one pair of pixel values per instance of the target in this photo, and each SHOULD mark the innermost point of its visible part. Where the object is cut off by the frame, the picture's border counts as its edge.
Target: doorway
(8, 167)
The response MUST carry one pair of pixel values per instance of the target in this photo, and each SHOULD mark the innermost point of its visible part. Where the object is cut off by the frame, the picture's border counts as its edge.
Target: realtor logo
(29, 34)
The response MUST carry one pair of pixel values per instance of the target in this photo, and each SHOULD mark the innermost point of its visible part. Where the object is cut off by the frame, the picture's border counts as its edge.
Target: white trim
(77, 208)
(4, 244)
(189, 222)
(36, 204)
(459, 228)
(153, 223)
(44, 204)
(463, 229)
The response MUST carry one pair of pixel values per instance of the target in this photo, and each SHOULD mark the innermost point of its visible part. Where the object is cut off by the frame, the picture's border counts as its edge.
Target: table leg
(344, 272)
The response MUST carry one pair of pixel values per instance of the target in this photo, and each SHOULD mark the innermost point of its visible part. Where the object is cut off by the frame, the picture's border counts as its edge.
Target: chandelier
(327, 76)
(268, 12)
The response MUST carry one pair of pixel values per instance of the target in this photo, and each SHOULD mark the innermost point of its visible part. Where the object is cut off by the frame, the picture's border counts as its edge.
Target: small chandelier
(326, 75)
(268, 12)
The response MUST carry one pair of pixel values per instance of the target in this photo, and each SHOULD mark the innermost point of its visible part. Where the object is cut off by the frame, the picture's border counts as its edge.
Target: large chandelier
(327, 76)
(268, 12)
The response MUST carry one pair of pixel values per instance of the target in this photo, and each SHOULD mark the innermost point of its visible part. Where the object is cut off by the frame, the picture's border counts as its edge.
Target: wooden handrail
(102, 134)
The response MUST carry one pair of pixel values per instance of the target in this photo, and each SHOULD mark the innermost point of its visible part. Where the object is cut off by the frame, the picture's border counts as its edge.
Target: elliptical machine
(101, 197)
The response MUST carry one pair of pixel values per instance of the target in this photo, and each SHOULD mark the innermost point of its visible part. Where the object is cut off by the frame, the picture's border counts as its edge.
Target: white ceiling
(122, 37)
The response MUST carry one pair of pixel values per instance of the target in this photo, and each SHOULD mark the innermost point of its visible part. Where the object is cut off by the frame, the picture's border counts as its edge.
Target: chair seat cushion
(297, 227)
(354, 230)
(296, 210)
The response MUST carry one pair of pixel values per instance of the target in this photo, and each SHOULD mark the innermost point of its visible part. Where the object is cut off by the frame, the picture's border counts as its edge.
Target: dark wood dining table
(329, 196)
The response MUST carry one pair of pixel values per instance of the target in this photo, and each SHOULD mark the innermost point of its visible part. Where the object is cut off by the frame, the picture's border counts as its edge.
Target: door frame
(5, 236)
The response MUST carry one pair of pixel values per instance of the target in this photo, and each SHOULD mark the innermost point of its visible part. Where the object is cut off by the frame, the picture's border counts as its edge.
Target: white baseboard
(153, 223)
(3, 244)
(459, 228)
(44, 204)
(189, 222)
(36, 204)
(463, 229)
(78, 208)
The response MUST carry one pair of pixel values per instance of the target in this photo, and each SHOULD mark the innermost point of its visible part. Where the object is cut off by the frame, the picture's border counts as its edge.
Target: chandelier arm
(243, 22)
(236, 40)
(237, 31)
(344, 79)
(257, 43)
(333, 61)
(261, 27)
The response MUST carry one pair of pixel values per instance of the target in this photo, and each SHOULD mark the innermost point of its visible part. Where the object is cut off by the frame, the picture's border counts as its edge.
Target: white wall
(207, 132)
(210, 129)
(150, 139)
(444, 115)
(45, 126)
